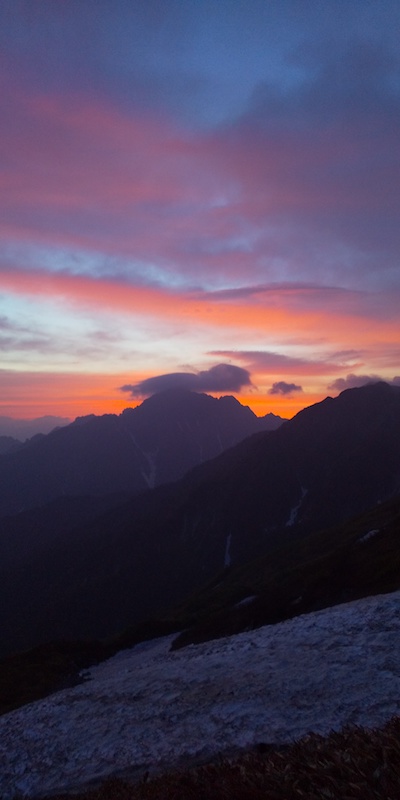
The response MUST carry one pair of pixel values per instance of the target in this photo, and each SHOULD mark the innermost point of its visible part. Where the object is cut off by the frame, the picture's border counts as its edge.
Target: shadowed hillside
(143, 447)
(334, 460)
(352, 561)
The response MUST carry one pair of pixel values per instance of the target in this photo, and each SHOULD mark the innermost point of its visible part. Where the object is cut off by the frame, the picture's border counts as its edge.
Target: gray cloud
(281, 387)
(221, 378)
(353, 381)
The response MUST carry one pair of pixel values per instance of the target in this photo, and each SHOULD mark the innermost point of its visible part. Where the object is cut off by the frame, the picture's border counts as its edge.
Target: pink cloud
(139, 185)
(300, 184)
(271, 363)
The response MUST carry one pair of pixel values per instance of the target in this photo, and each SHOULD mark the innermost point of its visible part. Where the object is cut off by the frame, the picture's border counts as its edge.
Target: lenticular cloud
(221, 378)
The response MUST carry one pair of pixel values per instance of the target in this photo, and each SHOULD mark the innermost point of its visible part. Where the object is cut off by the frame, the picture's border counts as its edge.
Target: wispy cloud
(270, 362)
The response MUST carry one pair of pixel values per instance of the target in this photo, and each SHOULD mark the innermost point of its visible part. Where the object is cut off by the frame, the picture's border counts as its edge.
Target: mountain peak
(334, 460)
(157, 442)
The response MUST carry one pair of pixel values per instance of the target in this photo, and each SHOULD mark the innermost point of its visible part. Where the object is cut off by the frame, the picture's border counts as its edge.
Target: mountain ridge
(150, 553)
(154, 443)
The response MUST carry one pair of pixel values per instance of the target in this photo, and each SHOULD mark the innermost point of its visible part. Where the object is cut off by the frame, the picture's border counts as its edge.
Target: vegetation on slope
(354, 764)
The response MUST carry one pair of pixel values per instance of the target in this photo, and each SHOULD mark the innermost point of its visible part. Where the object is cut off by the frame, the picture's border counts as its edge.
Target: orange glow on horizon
(32, 395)
(285, 407)
(36, 394)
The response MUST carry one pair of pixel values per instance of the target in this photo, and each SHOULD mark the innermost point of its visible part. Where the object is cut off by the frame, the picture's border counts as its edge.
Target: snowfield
(148, 708)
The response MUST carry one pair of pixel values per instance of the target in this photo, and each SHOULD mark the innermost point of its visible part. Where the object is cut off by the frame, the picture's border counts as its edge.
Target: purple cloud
(281, 387)
(268, 361)
(221, 378)
(353, 381)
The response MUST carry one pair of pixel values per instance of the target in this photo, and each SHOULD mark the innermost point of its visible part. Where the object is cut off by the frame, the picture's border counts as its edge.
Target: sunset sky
(197, 192)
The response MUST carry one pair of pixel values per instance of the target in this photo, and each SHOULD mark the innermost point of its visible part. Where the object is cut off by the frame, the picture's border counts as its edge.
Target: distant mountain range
(157, 442)
(22, 429)
(8, 444)
(67, 571)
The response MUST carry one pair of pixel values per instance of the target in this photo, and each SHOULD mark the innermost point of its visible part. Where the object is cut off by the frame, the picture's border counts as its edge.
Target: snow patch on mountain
(150, 476)
(227, 556)
(367, 536)
(246, 601)
(148, 708)
(295, 510)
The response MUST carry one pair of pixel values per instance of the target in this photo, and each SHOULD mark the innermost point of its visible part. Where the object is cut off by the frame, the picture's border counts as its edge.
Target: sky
(202, 193)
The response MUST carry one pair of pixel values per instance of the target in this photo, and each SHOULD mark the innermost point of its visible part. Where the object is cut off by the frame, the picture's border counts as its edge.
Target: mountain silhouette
(143, 447)
(8, 444)
(333, 460)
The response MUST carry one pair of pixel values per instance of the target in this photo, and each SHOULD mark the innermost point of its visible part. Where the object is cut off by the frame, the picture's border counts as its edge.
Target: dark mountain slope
(357, 559)
(346, 450)
(143, 447)
(354, 560)
(332, 461)
(9, 444)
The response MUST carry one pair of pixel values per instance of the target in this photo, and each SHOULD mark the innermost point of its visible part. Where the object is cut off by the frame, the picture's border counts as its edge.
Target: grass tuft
(354, 764)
